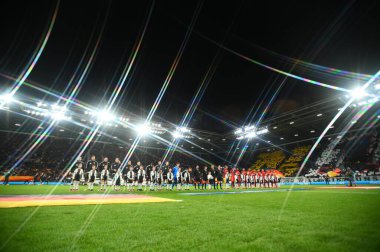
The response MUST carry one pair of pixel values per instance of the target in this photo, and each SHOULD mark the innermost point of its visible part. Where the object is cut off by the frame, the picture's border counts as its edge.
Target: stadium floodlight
(104, 116)
(183, 129)
(57, 107)
(177, 135)
(249, 132)
(181, 132)
(358, 93)
(251, 135)
(6, 98)
(143, 129)
(262, 131)
(41, 104)
(238, 131)
(59, 116)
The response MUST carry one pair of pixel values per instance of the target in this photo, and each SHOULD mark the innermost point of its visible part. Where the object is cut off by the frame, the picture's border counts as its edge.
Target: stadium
(190, 126)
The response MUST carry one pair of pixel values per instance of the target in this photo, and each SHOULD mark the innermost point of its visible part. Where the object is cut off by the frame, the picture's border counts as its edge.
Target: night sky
(339, 34)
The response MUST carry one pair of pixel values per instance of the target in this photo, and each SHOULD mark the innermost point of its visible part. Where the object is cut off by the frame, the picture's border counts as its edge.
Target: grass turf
(312, 220)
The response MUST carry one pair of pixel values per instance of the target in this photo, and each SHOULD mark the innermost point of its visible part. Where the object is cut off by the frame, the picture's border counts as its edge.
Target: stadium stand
(269, 160)
(292, 164)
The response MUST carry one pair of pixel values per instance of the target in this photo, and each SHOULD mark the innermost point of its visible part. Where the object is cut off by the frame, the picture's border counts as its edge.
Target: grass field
(311, 220)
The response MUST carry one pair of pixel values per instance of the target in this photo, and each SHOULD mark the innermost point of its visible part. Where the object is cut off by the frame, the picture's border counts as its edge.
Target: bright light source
(358, 93)
(104, 116)
(249, 132)
(282, 138)
(251, 135)
(377, 86)
(263, 131)
(238, 131)
(62, 130)
(275, 127)
(6, 98)
(57, 107)
(291, 122)
(247, 128)
(143, 129)
(223, 139)
(58, 116)
(312, 131)
(177, 135)
(17, 124)
(319, 115)
(181, 132)
(296, 135)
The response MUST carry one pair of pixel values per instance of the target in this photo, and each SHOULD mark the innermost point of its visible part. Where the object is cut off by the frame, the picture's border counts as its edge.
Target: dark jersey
(148, 169)
(90, 163)
(196, 175)
(103, 164)
(136, 169)
(219, 175)
(114, 168)
(77, 165)
(165, 170)
(159, 167)
(204, 175)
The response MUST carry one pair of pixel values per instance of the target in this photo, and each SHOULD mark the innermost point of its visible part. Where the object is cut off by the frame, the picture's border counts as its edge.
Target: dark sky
(340, 34)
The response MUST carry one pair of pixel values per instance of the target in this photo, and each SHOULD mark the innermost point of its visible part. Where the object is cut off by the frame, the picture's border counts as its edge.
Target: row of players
(159, 176)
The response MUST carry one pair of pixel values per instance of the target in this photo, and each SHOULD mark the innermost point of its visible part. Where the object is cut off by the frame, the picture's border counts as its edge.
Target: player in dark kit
(197, 177)
(165, 172)
(104, 163)
(212, 181)
(115, 167)
(136, 169)
(204, 178)
(78, 162)
(92, 162)
(159, 166)
(117, 180)
(219, 177)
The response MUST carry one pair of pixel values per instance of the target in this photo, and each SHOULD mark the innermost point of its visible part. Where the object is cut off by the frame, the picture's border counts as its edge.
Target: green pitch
(311, 220)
